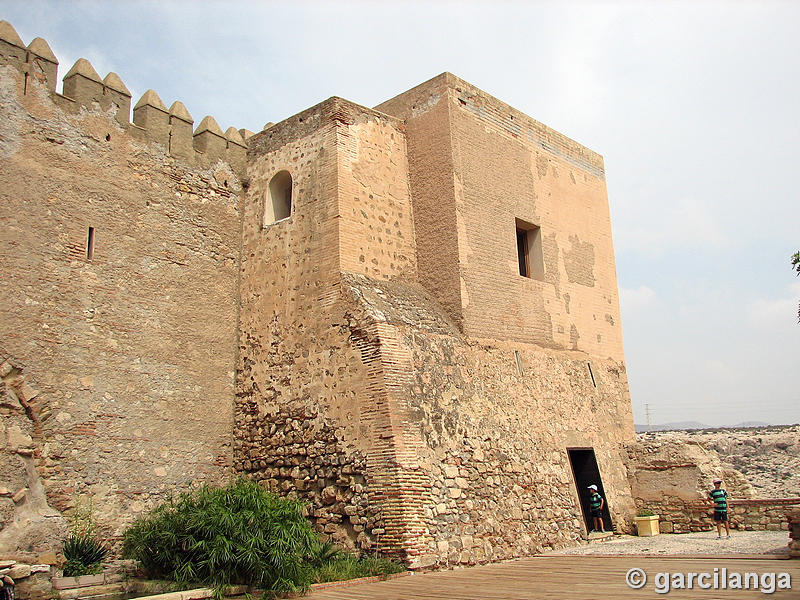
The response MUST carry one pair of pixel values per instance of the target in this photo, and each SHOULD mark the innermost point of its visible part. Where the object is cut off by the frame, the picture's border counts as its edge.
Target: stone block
(19, 571)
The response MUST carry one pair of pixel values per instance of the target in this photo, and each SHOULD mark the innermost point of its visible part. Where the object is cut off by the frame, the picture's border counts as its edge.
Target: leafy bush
(646, 512)
(83, 554)
(347, 566)
(323, 553)
(239, 534)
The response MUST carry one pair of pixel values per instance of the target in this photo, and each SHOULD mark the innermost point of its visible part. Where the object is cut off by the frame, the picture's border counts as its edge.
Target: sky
(695, 107)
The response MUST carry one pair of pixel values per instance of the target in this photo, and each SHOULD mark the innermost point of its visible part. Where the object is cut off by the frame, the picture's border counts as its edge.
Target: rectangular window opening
(529, 250)
(522, 252)
(90, 244)
(591, 374)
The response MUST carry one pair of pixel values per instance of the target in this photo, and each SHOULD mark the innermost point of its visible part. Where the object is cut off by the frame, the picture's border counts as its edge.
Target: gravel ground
(706, 543)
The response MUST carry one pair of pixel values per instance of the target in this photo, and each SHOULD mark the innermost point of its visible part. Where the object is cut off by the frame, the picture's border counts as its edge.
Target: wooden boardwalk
(566, 578)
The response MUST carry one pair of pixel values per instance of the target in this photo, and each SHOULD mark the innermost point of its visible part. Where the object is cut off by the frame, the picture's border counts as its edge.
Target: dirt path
(702, 543)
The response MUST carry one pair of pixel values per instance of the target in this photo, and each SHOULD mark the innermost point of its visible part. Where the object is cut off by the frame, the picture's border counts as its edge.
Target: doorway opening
(585, 473)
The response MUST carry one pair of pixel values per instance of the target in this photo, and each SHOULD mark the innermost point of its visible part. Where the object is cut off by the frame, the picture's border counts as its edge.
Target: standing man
(596, 504)
(719, 498)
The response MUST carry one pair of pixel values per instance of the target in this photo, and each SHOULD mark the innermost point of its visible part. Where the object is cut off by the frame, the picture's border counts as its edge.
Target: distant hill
(753, 424)
(696, 425)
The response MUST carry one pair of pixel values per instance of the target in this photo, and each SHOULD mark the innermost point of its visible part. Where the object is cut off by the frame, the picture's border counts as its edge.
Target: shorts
(721, 515)
(596, 512)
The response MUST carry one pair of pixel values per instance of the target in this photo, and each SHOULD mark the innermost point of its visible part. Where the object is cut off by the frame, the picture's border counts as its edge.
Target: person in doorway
(596, 504)
(719, 498)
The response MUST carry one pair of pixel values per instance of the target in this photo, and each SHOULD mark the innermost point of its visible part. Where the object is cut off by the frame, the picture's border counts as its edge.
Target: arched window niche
(278, 201)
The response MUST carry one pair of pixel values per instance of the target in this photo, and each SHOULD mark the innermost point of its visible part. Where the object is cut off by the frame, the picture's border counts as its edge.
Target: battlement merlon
(152, 122)
(37, 60)
(497, 114)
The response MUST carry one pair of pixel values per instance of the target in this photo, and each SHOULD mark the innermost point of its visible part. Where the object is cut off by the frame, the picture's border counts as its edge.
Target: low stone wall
(793, 516)
(751, 514)
(29, 582)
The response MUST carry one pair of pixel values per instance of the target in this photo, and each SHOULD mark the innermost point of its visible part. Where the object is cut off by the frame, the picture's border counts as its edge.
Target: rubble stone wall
(754, 514)
(793, 518)
(494, 439)
(673, 479)
(304, 394)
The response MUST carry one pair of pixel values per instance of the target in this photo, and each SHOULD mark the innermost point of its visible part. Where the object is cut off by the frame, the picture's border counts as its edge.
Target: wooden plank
(566, 578)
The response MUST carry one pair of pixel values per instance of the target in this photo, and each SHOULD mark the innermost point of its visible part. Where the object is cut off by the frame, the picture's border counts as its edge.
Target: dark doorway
(586, 473)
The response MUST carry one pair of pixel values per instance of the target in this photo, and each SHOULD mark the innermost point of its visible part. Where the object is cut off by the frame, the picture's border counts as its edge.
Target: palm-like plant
(239, 534)
(83, 554)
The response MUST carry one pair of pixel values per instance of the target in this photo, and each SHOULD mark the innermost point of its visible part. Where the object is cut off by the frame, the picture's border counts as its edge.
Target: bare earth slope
(768, 456)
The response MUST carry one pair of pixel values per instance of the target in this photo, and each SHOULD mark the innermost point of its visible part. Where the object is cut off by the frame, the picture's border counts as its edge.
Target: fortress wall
(316, 417)
(152, 120)
(301, 384)
(495, 438)
(376, 220)
(430, 163)
(478, 164)
(131, 342)
(507, 172)
(490, 441)
(496, 445)
(375, 373)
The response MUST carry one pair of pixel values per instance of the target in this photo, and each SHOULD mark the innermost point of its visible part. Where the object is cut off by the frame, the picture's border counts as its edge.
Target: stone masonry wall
(672, 479)
(750, 514)
(541, 367)
(793, 518)
(318, 371)
(131, 344)
(491, 441)
(301, 383)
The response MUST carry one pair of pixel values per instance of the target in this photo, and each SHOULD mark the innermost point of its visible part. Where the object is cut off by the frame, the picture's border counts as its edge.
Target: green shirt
(595, 500)
(720, 498)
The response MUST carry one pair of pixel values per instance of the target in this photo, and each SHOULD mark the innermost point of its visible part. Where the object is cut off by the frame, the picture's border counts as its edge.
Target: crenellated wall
(152, 121)
(120, 264)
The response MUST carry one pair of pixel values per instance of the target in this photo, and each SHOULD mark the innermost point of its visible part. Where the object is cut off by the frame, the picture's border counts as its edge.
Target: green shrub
(240, 534)
(646, 512)
(323, 553)
(83, 554)
(347, 566)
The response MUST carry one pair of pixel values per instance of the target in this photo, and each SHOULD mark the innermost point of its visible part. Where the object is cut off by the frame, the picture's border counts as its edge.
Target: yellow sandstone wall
(128, 357)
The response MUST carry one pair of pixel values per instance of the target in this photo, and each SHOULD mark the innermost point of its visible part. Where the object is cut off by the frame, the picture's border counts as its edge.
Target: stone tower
(406, 316)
